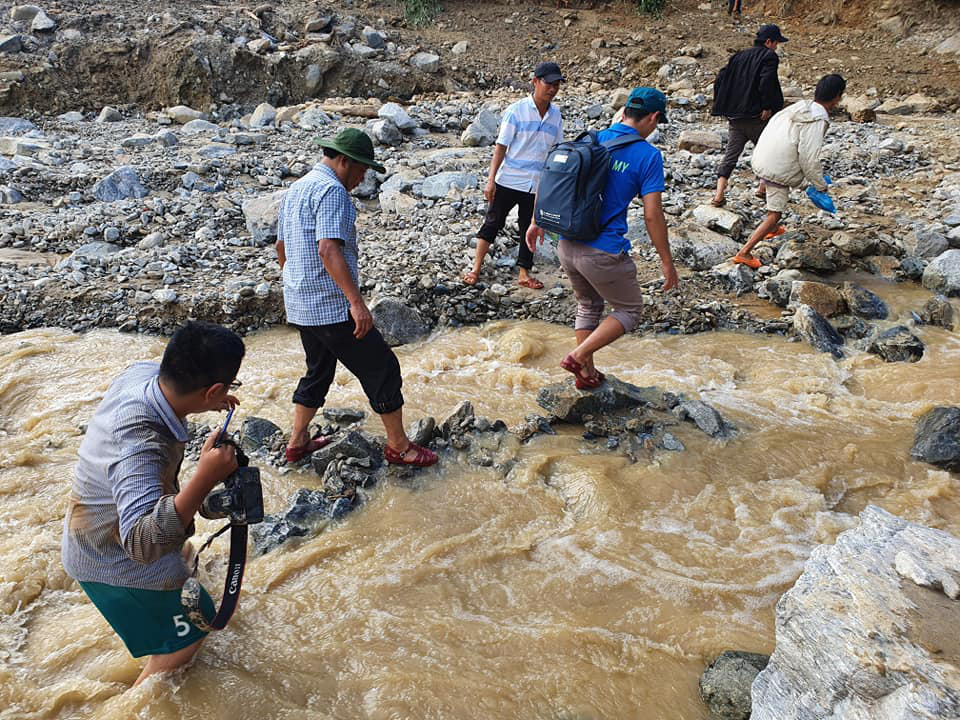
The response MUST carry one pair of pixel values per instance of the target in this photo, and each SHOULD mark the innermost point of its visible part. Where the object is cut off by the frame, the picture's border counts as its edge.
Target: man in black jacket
(747, 92)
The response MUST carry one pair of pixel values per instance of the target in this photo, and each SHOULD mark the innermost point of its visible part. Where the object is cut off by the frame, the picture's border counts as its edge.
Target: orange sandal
(779, 231)
(750, 262)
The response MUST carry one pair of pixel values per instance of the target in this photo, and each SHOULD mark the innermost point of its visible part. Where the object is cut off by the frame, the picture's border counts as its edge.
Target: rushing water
(579, 586)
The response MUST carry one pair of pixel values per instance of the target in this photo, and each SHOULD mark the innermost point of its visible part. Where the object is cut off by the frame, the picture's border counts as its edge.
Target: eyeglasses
(235, 384)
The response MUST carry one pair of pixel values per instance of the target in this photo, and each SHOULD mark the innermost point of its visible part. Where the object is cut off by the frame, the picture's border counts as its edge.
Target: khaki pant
(597, 276)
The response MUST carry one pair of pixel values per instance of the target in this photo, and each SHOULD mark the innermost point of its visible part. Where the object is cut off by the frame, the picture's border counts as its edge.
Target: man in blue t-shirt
(601, 269)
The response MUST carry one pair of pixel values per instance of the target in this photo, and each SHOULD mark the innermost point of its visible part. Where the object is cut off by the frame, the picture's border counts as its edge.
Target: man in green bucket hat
(317, 250)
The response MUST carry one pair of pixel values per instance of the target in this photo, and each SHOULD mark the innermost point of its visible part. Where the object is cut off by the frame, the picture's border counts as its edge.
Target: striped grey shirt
(121, 526)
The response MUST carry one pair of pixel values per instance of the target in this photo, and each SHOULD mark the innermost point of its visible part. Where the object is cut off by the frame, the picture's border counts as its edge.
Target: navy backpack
(571, 185)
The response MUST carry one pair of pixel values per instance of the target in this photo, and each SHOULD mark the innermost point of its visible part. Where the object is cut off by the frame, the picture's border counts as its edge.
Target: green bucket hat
(355, 144)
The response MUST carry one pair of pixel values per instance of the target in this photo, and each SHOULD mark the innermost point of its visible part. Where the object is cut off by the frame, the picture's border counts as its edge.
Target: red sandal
(295, 455)
(423, 458)
(572, 365)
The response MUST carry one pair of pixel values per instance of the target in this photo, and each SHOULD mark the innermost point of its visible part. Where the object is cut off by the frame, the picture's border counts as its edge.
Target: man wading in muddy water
(317, 250)
(601, 269)
(529, 128)
(128, 518)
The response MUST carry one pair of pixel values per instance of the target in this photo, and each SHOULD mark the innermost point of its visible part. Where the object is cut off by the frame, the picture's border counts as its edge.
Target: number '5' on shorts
(150, 622)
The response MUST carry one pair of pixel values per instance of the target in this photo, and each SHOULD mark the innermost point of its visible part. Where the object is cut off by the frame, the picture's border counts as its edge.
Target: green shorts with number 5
(150, 622)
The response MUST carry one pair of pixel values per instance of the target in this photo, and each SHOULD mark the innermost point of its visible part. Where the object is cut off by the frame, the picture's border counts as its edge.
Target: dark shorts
(150, 622)
(370, 359)
(504, 200)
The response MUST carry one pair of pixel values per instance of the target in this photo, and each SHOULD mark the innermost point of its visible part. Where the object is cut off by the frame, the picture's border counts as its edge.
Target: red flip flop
(572, 365)
(594, 382)
(423, 458)
(295, 455)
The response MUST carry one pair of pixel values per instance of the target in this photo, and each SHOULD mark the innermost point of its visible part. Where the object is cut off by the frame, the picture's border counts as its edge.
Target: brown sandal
(470, 278)
(531, 282)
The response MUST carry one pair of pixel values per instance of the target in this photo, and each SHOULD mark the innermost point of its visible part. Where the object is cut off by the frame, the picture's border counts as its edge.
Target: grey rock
(138, 141)
(24, 13)
(10, 195)
(121, 184)
(309, 512)
(483, 130)
(350, 444)
(697, 141)
(313, 118)
(779, 287)
(421, 431)
(460, 420)
(938, 311)
(725, 684)
(439, 185)
(199, 126)
(937, 438)
(374, 38)
(734, 277)
(856, 638)
(426, 62)
(460, 48)
(260, 46)
(800, 253)
(942, 275)
(10, 44)
(217, 151)
(706, 418)
(165, 296)
(167, 138)
(385, 132)
(897, 344)
(397, 115)
(182, 114)
(816, 330)
(701, 249)
(42, 23)
(261, 216)
(566, 402)
(863, 303)
(925, 243)
(344, 416)
(398, 322)
(16, 126)
(719, 219)
(256, 433)
(109, 114)
(94, 251)
(263, 115)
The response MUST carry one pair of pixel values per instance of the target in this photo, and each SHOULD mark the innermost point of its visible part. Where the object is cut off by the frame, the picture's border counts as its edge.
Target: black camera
(240, 498)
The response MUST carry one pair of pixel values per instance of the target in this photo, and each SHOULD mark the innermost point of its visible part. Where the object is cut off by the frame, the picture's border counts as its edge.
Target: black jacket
(748, 85)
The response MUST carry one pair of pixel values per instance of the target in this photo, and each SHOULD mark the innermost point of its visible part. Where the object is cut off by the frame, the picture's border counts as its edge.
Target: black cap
(770, 32)
(549, 72)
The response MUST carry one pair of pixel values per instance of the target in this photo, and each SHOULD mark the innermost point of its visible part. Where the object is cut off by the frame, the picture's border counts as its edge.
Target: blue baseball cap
(649, 100)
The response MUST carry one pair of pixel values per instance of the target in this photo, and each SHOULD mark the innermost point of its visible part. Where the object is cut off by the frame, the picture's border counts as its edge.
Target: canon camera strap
(190, 595)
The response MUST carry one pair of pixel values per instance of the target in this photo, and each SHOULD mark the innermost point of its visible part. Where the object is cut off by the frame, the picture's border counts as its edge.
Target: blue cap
(649, 100)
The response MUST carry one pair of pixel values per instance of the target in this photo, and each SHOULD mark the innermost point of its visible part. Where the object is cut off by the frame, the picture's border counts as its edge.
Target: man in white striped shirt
(528, 129)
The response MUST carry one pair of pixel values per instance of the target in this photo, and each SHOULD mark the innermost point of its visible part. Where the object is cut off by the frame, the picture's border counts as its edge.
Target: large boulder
(725, 684)
(925, 243)
(778, 288)
(943, 273)
(182, 114)
(823, 298)
(565, 401)
(15, 126)
(385, 132)
(861, 108)
(897, 344)
(734, 277)
(354, 443)
(916, 103)
(256, 433)
(937, 438)
(483, 130)
(397, 322)
(263, 115)
(426, 62)
(261, 215)
(121, 184)
(869, 630)
(816, 330)
(701, 249)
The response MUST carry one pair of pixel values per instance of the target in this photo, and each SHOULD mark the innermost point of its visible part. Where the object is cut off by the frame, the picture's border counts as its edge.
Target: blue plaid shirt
(121, 526)
(317, 206)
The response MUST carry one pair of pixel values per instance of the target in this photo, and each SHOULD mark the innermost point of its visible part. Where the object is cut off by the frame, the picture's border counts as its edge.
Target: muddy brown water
(579, 586)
